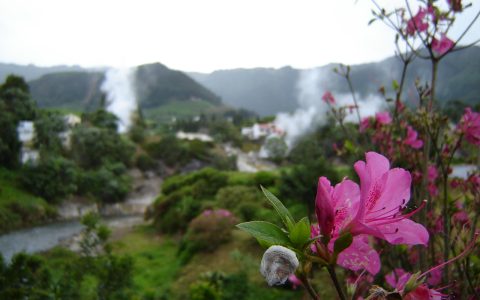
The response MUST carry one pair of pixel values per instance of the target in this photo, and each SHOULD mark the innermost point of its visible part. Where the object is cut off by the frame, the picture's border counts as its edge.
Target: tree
(15, 105)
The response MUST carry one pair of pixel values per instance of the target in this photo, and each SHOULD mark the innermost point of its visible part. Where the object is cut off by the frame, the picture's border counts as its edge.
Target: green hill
(158, 85)
(77, 91)
(157, 88)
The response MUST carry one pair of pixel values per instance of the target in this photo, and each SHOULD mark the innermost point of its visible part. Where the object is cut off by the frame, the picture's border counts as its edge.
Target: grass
(158, 273)
(19, 208)
(179, 110)
(155, 261)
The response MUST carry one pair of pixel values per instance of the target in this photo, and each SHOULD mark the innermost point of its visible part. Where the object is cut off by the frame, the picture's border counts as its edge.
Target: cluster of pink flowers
(383, 117)
(219, 212)
(426, 18)
(412, 138)
(470, 126)
(419, 22)
(372, 209)
(328, 98)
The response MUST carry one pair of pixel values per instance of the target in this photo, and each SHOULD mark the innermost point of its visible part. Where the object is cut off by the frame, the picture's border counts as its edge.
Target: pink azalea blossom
(470, 126)
(328, 98)
(432, 177)
(396, 278)
(422, 292)
(373, 209)
(384, 194)
(435, 277)
(443, 45)
(418, 23)
(335, 208)
(412, 138)
(364, 124)
(294, 281)
(383, 118)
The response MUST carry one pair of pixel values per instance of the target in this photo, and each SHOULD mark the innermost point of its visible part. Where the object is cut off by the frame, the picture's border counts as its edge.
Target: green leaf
(266, 232)
(412, 283)
(395, 85)
(300, 233)
(282, 211)
(371, 21)
(342, 243)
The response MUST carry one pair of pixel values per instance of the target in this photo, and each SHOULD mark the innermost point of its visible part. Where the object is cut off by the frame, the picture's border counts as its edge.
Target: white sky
(196, 35)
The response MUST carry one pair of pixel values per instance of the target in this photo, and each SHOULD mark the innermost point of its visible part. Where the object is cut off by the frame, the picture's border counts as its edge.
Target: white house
(258, 131)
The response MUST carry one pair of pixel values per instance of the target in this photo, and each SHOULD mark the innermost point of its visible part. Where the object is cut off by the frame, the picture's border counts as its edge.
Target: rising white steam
(312, 111)
(119, 87)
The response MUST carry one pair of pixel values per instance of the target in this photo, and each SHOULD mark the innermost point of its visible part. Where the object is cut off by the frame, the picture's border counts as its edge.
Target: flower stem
(333, 275)
(308, 286)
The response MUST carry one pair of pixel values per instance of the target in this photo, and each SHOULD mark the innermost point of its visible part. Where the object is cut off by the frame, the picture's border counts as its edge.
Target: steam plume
(312, 110)
(118, 86)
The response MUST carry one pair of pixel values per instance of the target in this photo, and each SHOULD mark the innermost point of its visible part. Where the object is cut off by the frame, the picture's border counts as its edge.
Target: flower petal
(360, 256)
(324, 206)
(405, 232)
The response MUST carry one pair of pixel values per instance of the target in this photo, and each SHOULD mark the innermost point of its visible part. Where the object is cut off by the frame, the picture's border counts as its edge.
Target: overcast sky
(196, 35)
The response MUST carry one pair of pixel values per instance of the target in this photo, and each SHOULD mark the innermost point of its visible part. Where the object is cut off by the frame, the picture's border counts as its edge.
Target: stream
(116, 216)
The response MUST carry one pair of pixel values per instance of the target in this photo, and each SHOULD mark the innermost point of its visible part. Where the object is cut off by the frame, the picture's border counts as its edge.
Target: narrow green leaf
(342, 243)
(266, 232)
(395, 85)
(300, 233)
(282, 211)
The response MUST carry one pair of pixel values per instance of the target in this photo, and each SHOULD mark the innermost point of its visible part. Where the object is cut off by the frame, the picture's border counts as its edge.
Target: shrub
(93, 147)
(217, 285)
(215, 179)
(231, 197)
(52, 178)
(146, 163)
(206, 232)
(109, 183)
(265, 178)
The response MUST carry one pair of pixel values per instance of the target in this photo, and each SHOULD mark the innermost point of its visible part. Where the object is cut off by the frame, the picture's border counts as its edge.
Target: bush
(244, 201)
(265, 178)
(170, 150)
(206, 232)
(53, 178)
(108, 184)
(25, 278)
(93, 147)
(216, 180)
(217, 285)
(146, 163)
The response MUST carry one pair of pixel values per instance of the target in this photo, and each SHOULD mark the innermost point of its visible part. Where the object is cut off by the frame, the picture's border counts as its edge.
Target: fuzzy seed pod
(277, 264)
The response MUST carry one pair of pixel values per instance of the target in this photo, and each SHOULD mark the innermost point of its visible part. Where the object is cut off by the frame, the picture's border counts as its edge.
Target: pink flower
(432, 177)
(470, 126)
(396, 278)
(443, 45)
(223, 212)
(383, 118)
(384, 194)
(364, 124)
(418, 22)
(435, 277)
(294, 281)
(328, 98)
(422, 292)
(412, 138)
(335, 208)
(373, 209)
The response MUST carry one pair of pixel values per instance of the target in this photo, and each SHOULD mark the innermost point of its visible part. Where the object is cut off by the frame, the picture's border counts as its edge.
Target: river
(117, 216)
